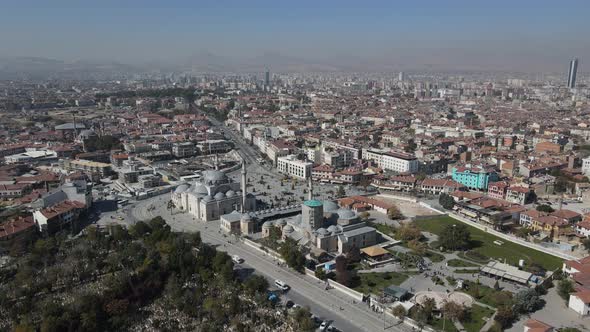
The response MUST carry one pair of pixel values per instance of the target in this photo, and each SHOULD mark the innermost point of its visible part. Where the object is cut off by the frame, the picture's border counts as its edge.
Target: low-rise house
(59, 216)
(439, 186)
(519, 195)
(498, 189)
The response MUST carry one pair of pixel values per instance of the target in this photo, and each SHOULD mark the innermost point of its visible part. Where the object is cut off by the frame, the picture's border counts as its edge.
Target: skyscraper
(571, 77)
(267, 80)
(401, 76)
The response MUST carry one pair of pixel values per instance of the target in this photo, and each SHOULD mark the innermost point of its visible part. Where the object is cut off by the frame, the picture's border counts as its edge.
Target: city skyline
(530, 36)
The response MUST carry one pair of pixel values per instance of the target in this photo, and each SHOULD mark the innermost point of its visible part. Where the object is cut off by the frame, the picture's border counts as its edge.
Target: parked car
(237, 259)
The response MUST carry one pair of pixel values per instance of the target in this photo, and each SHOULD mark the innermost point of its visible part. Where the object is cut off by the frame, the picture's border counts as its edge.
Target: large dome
(219, 195)
(207, 198)
(345, 214)
(213, 176)
(230, 193)
(288, 229)
(180, 189)
(330, 206)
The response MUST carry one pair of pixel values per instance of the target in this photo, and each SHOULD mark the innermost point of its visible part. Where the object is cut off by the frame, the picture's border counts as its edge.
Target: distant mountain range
(204, 62)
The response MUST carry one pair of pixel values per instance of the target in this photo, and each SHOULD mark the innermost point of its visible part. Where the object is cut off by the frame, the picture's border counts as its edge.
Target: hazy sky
(472, 31)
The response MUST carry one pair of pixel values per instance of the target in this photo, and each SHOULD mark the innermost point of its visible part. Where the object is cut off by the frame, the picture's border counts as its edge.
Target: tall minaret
(216, 161)
(309, 189)
(243, 186)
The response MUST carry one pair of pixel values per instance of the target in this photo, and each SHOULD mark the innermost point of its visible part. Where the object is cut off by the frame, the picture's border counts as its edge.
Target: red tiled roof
(61, 208)
(17, 225)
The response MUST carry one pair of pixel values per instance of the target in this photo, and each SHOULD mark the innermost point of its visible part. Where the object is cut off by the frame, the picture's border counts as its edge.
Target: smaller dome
(230, 193)
(246, 217)
(200, 189)
(334, 229)
(288, 229)
(322, 231)
(267, 224)
(345, 214)
(180, 189)
(219, 195)
(330, 206)
(207, 198)
(280, 223)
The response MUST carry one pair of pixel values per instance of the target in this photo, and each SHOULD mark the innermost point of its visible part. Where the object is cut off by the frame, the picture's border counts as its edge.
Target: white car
(282, 285)
(237, 259)
(324, 325)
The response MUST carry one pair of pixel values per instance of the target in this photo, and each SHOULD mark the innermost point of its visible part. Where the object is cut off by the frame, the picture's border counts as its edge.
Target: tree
(292, 255)
(353, 254)
(340, 192)
(364, 215)
(523, 232)
(409, 232)
(394, 213)
(302, 318)
(454, 237)
(256, 285)
(504, 316)
(428, 307)
(544, 208)
(453, 310)
(320, 273)
(419, 248)
(399, 311)
(527, 301)
(342, 276)
(446, 201)
(565, 288)
(586, 244)
(365, 182)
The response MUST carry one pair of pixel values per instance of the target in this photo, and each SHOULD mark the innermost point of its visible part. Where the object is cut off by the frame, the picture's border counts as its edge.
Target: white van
(281, 285)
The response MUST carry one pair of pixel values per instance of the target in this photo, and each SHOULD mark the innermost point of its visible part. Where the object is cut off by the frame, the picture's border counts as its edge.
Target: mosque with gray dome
(214, 195)
(320, 224)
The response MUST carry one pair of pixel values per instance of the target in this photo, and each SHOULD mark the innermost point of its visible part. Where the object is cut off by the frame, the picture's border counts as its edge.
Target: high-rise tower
(571, 77)
(267, 80)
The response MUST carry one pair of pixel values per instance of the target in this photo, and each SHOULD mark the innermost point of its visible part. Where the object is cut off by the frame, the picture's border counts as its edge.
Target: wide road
(328, 304)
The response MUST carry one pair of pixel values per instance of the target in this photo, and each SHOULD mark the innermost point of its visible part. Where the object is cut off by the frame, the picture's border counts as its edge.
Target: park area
(367, 283)
(483, 248)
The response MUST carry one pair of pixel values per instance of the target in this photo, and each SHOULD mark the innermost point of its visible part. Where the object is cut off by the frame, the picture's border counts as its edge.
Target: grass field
(376, 282)
(488, 295)
(460, 263)
(483, 244)
(474, 321)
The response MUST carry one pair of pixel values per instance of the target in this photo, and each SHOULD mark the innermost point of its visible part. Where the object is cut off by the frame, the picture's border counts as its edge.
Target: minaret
(216, 161)
(309, 189)
(243, 186)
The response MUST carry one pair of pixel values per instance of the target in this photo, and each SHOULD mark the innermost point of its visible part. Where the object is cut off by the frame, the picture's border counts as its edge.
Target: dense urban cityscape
(291, 196)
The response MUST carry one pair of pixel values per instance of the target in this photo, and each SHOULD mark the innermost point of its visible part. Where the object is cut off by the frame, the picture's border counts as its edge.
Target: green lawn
(474, 321)
(434, 257)
(385, 229)
(437, 324)
(376, 282)
(460, 263)
(483, 244)
(469, 271)
(487, 295)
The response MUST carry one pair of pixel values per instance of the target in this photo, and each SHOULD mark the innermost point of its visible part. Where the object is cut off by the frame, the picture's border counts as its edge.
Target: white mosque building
(213, 196)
